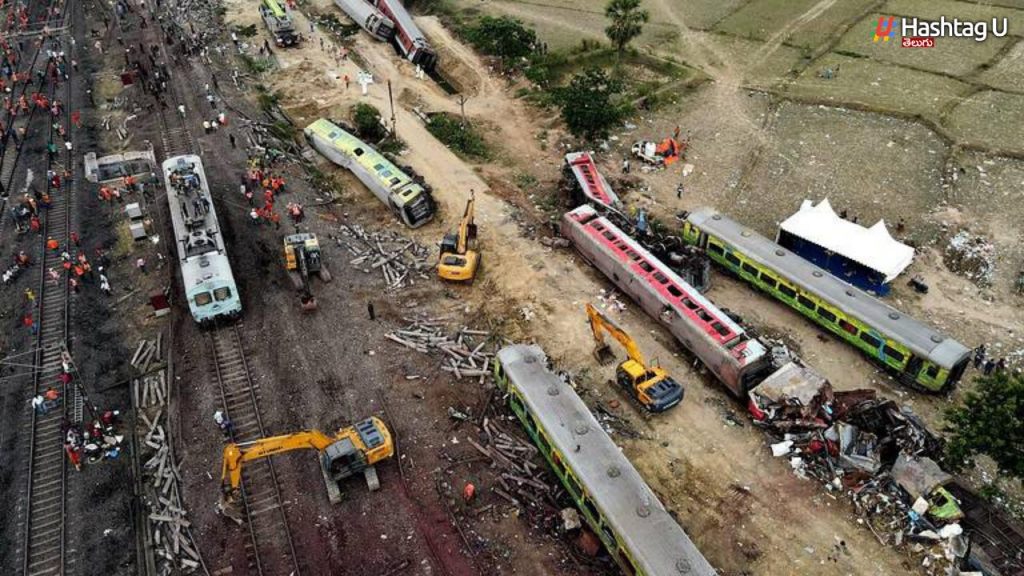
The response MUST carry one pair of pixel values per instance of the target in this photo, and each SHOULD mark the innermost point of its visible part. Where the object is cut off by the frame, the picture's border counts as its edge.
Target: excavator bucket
(228, 505)
(603, 353)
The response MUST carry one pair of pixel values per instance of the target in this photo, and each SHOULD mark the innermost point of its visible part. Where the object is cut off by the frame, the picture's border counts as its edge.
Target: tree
(588, 104)
(990, 422)
(628, 21)
(504, 37)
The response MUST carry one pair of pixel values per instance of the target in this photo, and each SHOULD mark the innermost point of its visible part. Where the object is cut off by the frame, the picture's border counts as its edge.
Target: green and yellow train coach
(914, 352)
(613, 499)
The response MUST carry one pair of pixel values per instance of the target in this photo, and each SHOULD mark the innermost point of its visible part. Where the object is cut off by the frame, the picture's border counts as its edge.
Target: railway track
(271, 551)
(44, 545)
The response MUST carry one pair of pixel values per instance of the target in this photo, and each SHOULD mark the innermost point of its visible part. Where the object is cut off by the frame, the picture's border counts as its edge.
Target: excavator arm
(600, 323)
(235, 455)
(466, 226)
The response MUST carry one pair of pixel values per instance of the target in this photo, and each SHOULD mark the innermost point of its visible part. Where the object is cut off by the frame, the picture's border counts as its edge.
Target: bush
(366, 118)
(460, 137)
(990, 422)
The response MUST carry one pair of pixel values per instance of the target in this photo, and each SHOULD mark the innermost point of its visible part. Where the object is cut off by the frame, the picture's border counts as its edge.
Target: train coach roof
(369, 158)
(657, 543)
(920, 338)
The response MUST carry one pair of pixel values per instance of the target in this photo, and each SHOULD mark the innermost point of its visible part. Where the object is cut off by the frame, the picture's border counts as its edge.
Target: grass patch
(245, 31)
(461, 137)
(877, 86)
(256, 66)
(990, 119)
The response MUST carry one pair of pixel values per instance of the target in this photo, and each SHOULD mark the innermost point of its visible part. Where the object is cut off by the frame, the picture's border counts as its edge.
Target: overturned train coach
(918, 355)
(618, 506)
(407, 199)
(736, 359)
(587, 182)
(409, 39)
(368, 18)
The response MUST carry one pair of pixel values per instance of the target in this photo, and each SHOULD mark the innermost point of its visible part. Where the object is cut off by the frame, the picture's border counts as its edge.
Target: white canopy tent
(872, 247)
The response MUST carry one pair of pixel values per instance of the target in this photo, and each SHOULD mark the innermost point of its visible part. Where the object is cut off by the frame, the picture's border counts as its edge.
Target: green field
(990, 118)
(953, 56)
(933, 9)
(878, 86)
(874, 166)
(760, 19)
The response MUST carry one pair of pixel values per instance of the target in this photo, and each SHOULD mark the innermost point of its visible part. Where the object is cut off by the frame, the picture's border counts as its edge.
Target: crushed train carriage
(622, 510)
(210, 287)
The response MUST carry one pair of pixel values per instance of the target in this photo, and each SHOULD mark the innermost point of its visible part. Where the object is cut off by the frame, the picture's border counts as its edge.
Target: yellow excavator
(458, 262)
(650, 386)
(302, 259)
(351, 450)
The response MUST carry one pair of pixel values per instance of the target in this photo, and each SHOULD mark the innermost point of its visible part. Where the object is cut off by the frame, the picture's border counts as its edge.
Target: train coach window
(849, 328)
(826, 314)
(661, 278)
(609, 235)
(894, 353)
(674, 290)
(805, 302)
(786, 290)
(870, 340)
(221, 294)
(646, 266)
(715, 248)
(720, 328)
(588, 504)
(203, 298)
(749, 269)
(731, 259)
(689, 304)
(932, 372)
(767, 279)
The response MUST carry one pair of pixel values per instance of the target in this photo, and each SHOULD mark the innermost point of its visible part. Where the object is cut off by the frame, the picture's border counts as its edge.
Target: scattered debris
(972, 257)
(168, 534)
(400, 260)
(464, 350)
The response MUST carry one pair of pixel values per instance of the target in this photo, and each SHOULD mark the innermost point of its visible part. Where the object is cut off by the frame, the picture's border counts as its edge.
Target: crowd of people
(261, 183)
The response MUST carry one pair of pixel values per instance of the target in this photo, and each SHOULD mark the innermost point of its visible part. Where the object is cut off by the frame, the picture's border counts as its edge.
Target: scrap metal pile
(877, 453)
(400, 260)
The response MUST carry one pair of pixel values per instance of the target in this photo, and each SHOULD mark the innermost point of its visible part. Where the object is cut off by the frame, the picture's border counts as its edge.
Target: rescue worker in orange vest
(52, 244)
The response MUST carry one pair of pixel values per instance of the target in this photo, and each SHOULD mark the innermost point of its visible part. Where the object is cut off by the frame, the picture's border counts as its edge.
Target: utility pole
(462, 106)
(394, 123)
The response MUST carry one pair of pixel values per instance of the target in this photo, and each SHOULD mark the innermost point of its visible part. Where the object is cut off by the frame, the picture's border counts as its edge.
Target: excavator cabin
(650, 386)
(458, 262)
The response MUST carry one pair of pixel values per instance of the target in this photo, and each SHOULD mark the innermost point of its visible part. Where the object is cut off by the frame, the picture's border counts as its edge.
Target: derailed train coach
(368, 18)
(736, 359)
(410, 201)
(917, 354)
(209, 285)
(619, 507)
(409, 39)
